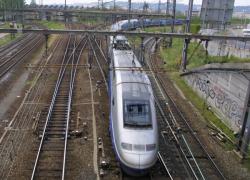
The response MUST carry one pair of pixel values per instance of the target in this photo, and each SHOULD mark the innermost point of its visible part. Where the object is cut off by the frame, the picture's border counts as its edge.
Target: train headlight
(127, 146)
(150, 147)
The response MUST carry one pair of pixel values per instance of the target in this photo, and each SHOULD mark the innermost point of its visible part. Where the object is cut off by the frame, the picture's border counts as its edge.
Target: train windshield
(137, 113)
(121, 45)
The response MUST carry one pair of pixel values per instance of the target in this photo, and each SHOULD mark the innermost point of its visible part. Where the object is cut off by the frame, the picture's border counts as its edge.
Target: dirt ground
(10, 83)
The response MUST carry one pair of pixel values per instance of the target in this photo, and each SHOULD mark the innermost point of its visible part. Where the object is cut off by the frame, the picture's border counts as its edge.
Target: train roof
(120, 38)
(128, 69)
(117, 26)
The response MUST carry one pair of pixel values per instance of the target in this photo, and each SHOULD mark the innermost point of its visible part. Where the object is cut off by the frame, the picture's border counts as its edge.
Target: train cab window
(137, 113)
(121, 45)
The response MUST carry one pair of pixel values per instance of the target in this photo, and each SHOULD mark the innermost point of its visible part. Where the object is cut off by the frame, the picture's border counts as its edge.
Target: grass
(134, 41)
(92, 21)
(240, 21)
(196, 56)
(158, 29)
(7, 39)
(7, 24)
(52, 24)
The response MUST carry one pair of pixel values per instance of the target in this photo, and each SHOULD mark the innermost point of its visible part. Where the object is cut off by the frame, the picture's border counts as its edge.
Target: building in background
(216, 13)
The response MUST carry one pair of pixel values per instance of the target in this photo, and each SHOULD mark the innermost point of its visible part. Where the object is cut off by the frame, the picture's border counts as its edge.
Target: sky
(237, 2)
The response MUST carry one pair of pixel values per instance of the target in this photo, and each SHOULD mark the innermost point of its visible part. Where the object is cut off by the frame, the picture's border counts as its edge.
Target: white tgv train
(133, 124)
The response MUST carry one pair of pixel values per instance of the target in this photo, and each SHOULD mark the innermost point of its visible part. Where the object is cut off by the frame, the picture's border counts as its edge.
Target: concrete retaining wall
(225, 91)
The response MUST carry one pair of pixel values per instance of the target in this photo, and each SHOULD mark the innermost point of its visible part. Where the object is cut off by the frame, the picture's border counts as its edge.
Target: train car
(133, 124)
(134, 23)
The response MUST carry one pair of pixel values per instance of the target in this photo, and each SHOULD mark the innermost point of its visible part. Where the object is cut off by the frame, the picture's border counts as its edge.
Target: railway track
(12, 141)
(182, 155)
(98, 54)
(13, 45)
(50, 160)
(169, 155)
(15, 54)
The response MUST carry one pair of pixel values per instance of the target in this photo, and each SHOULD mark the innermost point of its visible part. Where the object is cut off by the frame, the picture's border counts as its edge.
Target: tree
(11, 4)
(7, 5)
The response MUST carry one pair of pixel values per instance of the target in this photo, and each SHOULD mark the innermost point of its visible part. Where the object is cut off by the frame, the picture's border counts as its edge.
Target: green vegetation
(196, 56)
(52, 24)
(7, 24)
(6, 39)
(158, 29)
(195, 28)
(92, 21)
(240, 21)
(11, 4)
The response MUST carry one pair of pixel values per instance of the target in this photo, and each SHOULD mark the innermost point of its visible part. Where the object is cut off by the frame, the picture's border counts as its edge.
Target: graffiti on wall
(219, 99)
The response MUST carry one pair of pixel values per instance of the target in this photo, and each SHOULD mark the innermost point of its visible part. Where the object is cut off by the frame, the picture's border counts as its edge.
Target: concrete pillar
(142, 51)
(187, 30)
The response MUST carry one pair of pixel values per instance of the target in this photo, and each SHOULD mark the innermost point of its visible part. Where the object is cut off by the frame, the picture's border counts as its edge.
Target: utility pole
(173, 21)
(187, 30)
(159, 7)
(114, 4)
(167, 8)
(65, 14)
(129, 12)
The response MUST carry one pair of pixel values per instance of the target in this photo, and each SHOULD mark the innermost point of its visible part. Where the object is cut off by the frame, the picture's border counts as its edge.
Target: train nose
(139, 160)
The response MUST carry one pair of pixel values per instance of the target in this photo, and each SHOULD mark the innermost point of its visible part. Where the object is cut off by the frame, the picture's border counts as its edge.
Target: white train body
(133, 124)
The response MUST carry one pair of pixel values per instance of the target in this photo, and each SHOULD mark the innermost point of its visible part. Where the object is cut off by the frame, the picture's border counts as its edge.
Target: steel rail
(14, 44)
(48, 116)
(190, 152)
(175, 138)
(59, 80)
(73, 74)
(24, 46)
(100, 50)
(178, 144)
(26, 120)
(165, 166)
(10, 66)
(103, 74)
(192, 133)
(128, 33)
(62, 70)
(195, 137)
